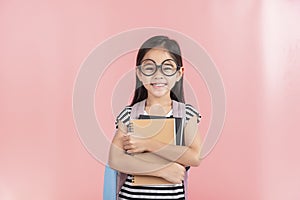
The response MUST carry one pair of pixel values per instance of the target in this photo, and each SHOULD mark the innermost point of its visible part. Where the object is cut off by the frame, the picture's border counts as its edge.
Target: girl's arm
(136, 165)
(188, 155)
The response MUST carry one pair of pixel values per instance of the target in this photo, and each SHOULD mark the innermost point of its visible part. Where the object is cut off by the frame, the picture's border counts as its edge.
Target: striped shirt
(129, 191)
(124, 116)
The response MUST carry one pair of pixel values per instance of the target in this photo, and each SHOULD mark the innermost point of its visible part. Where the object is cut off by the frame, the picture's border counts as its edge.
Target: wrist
(158, 173)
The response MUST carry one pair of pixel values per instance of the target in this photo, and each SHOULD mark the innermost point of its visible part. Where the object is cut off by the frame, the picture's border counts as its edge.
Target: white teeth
(158, 84)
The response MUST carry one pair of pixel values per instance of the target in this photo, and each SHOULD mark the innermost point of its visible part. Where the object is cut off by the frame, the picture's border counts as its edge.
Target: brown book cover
(162, 130)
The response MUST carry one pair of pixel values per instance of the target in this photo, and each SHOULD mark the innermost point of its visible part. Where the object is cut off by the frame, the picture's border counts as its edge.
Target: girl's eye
(168, 67)
(148, 66)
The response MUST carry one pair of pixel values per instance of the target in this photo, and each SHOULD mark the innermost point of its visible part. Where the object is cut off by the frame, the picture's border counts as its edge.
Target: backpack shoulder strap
(137, 109)
(178, 109)
(179, 112)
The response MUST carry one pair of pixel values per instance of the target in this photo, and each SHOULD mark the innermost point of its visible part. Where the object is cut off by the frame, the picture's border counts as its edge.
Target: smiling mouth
(158, 84)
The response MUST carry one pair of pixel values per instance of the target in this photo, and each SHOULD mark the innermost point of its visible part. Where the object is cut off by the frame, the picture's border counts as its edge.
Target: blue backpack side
(110, 184)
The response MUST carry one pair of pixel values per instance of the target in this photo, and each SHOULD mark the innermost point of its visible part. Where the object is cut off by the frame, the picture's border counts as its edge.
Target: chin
(159, 95)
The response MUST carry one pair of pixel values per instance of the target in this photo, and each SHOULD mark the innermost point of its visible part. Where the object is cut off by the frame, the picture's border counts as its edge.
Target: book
(160, 129)
(178, 125)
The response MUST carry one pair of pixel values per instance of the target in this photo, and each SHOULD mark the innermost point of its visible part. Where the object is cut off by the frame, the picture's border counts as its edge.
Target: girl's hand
(133, 144)
(174, 173)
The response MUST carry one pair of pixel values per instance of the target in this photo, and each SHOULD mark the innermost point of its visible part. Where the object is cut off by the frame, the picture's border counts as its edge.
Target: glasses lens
(169, 67)
(148, 67)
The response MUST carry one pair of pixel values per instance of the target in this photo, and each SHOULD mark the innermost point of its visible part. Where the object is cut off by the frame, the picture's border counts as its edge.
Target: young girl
(159, 91)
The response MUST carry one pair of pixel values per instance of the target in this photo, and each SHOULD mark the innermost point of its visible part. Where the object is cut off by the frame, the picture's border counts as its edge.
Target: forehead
(158, 55)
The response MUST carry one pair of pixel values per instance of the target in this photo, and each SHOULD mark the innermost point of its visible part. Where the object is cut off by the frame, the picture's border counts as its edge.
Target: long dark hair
(173, 49)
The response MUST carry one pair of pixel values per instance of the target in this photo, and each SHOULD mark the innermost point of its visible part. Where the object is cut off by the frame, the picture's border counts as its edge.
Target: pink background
(255, 45)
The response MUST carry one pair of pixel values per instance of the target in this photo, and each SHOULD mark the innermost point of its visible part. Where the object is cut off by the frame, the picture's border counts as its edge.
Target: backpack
(113, 180)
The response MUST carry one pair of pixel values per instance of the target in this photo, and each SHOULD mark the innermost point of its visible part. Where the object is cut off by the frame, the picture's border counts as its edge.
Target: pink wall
(255, 45)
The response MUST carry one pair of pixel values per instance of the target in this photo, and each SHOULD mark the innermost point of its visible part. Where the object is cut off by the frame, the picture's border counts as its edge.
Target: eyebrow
(168, 59)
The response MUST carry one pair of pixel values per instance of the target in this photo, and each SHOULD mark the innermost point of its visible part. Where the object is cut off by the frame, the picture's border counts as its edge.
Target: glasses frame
(159, 66)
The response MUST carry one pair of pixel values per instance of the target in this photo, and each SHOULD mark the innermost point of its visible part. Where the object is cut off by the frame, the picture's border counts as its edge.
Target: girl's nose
(158, 75)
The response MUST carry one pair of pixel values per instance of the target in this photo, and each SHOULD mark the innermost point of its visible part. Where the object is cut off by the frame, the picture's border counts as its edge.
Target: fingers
(181, 172)
(174, 173)
(133, 145)
(127, 145)
(126, 137)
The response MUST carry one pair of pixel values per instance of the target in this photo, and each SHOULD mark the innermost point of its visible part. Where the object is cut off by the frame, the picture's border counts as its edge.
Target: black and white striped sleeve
(124, 116)
(190, 112)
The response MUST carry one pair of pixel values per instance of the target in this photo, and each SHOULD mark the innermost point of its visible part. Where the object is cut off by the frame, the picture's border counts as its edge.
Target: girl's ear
(138, 74)
(180, 73)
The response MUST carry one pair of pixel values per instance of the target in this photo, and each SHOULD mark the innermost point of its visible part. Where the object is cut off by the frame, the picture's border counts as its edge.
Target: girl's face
(158, 85)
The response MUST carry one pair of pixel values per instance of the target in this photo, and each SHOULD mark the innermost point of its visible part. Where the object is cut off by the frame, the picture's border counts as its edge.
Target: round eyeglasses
(148, 67)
